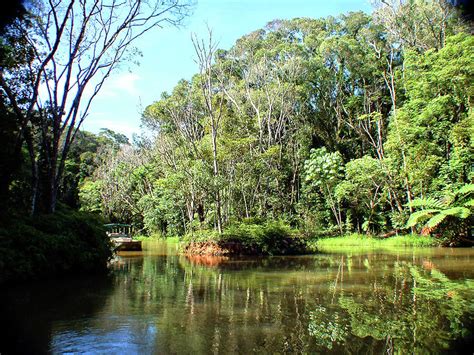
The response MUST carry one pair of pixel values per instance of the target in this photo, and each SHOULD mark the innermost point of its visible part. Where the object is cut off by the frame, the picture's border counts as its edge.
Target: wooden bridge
(121, 236)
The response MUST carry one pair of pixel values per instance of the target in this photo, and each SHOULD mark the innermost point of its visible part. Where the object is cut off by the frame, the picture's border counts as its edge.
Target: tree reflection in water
(159, 302)
(324, 303)
(412, 310)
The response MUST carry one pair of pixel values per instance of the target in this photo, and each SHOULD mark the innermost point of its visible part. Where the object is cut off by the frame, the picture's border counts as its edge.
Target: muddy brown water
(336, 301)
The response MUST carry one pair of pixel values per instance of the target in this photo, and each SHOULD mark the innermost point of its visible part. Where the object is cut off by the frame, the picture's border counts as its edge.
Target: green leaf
(469, 203)
(435, 220)
(429, 202)
(420, 216)
(461, 212)
(468, 188)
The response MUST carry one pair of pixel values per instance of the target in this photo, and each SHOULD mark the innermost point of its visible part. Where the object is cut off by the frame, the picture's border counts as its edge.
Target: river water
(337, 301)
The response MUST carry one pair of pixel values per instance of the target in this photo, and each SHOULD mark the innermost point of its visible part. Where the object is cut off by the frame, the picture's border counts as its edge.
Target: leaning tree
(70, 47)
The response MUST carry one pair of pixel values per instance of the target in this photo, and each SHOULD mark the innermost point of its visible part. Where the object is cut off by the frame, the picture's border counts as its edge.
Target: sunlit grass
(155, 237)
(172, 240)
(143, 237)
(360, 240)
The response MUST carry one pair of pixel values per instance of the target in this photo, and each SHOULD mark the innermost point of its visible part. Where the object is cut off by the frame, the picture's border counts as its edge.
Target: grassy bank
(64, 243)
(360, 240)
(156, 237)
(277, 238)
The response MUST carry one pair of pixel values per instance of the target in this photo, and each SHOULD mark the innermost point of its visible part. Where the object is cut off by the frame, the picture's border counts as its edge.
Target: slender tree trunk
(390, 82)
(216, 174)
(53, 181)
(245, 203)
(50, 167)
(34, 172)
(335, 210)
(205, 53)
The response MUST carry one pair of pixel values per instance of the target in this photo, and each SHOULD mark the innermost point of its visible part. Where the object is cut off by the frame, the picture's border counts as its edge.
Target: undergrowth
(51, 245)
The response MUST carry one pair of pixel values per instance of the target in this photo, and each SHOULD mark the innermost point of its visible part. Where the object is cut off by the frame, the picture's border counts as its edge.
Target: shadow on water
(333, 302)
(30, 313)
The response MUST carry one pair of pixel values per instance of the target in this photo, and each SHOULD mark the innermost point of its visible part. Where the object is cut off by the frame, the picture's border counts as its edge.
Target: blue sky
(168, 53)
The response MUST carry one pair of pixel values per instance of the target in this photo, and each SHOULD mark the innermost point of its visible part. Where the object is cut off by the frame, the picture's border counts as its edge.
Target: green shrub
(201, 235)
(51, 245)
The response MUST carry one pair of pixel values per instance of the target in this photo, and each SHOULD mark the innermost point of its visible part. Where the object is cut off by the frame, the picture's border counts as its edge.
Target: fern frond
(469, 203)
(420, 216)
(428, 202)
(468, 188)
(435, 221)
(461, 212)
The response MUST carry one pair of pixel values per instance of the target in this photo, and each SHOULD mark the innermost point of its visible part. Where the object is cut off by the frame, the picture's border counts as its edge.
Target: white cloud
(119, 124)
(119, 85)
(126, 82)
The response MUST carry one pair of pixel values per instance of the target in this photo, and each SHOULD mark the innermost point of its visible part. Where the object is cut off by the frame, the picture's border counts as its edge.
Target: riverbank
(277, 238)
(65, 243)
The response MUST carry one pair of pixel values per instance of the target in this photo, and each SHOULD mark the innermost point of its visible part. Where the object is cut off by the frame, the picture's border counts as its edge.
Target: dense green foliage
(271, 237)
(336, 125)
(453, 212)
(66, 242)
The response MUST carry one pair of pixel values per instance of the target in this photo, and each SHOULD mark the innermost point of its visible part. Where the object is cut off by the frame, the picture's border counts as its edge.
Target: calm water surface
(341, 300)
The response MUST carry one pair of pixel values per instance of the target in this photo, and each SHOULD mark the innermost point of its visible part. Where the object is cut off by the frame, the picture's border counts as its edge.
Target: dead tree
(214, 105)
